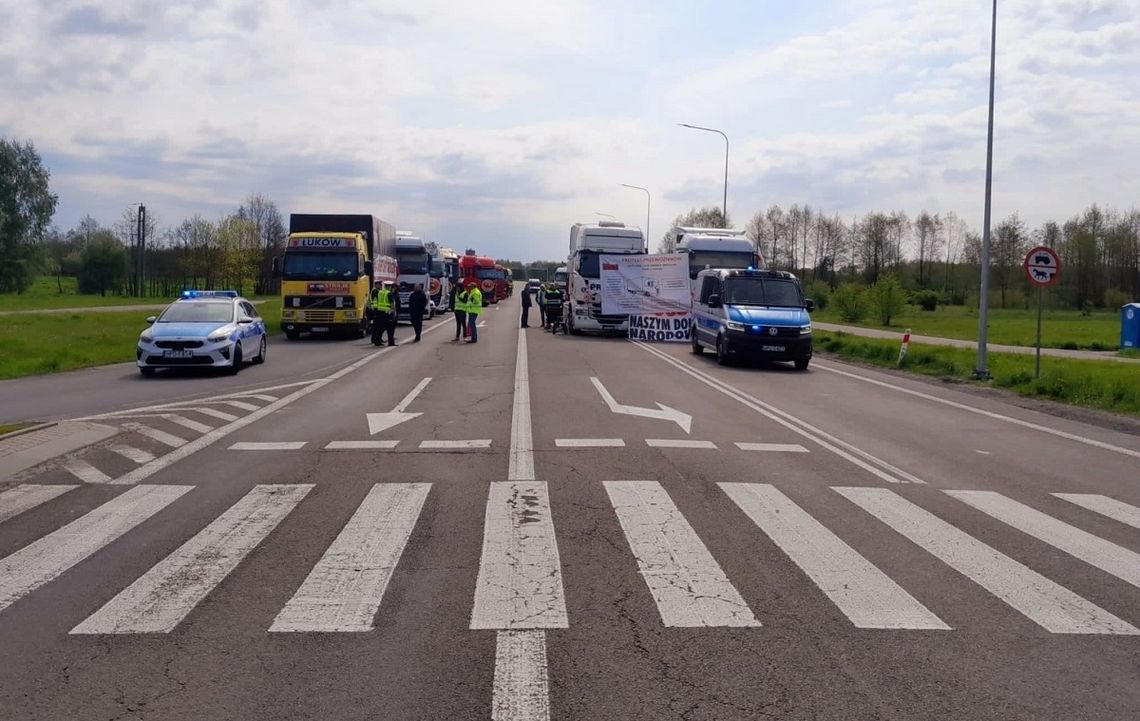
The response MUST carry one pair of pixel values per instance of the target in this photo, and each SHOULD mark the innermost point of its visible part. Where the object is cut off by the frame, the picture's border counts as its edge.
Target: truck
(583, 301)
(480, 270)
(502, 283)
(716, 248)
(414, 262)
(444, 276)
(328, 268)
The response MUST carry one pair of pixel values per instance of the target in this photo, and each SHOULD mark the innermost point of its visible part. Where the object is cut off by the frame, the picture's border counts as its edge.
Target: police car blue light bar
(209, 294)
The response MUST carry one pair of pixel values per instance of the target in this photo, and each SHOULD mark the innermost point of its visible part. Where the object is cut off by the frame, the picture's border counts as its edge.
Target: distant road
(97, 309)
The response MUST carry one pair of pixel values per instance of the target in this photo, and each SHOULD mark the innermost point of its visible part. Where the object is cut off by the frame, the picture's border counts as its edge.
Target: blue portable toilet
(1130, 326)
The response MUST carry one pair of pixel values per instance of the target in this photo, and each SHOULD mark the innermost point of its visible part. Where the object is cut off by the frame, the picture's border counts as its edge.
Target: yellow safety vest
(383, 301)
(461, 301)
(475, 299)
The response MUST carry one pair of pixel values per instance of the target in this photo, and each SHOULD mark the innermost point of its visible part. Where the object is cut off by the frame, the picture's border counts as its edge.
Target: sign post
(1042, 268)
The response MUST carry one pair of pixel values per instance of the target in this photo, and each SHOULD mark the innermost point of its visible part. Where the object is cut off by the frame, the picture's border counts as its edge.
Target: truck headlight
(350, 315)
(733, 325)
(805, 329)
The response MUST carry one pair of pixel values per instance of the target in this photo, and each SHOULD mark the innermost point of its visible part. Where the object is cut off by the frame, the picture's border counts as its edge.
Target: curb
(29, 429)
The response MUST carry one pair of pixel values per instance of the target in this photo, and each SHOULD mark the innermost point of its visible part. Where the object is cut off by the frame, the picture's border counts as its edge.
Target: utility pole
(140, 258)
(981, 372)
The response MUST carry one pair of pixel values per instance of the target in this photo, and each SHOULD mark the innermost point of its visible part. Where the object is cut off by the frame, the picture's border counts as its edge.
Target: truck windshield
(413, 263)
(588, 265)
(763, 291)
(486, 274)
(318, 266)
(700, 259)
(437, 269)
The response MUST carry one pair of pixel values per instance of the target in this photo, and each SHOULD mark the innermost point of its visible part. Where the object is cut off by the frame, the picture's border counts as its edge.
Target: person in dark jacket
(459, 306)
(417, 306)
(526, 309)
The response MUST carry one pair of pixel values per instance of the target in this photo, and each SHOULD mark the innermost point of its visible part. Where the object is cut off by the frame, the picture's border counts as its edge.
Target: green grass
(1106, 385)
(44, 295)
(1059, 328)
(10, 427)
(35, 344)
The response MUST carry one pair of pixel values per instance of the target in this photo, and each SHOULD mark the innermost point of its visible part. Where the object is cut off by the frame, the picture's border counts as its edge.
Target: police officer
(394, 315)
(459, 304)
(553, 298)
(474, 308)
(417, 305)
(540, 298)
(525, 308)
(381, 306)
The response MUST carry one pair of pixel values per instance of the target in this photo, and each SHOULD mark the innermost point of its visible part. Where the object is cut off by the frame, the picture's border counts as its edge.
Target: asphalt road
(567, 528)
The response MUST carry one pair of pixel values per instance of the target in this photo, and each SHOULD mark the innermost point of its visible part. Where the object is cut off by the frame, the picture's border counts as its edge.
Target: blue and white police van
(758, 313)
(203, 329)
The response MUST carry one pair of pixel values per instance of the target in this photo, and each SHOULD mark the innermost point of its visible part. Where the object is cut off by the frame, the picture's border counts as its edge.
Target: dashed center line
(678, 443)
(360, 445)
(589, 443)
(772, 447)
(456, 445)
(268, 446)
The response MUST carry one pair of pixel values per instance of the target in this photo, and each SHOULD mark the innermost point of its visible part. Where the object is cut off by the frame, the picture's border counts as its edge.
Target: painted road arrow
(664, 414)
(380, 422)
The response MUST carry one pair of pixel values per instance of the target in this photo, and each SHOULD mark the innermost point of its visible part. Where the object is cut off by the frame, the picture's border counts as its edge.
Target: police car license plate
(773, 348)
(177, 354)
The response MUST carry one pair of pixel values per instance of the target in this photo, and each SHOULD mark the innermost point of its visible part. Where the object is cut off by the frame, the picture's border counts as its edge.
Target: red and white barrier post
(905, 346)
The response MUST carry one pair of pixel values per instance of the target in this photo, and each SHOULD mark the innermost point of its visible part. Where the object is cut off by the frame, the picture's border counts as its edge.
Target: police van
(759, 313)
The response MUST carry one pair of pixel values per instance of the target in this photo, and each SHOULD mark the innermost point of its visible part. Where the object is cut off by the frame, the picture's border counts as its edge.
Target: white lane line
(225, 431)
(678, 443)
(258, 396)
(456, 445)
(520, 575)
(164, 595)
(589, 443)
(1105, 506)
(24, 497)
(137, 455)
(521, 462)
(521, 692)
(50, 556)
(866, 595)
(268, 446)
(407, 401)
(241, 405)
(1107, 556)
(688, 585)
(154, 434)
(1051, 606)
(187, 423)
(360, 445)
(772, 447)
(214, 413)
(868, 462)
(988, 414)
(344, 590)
(86, 472)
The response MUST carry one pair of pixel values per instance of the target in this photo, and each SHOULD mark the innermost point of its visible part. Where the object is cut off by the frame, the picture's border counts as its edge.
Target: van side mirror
(714, 301)
(809, 304)
(276, 267)
(368, 268)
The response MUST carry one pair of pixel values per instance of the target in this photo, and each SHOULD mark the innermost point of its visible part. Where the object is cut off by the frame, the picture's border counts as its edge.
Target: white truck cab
(589, 241)
(716, 248)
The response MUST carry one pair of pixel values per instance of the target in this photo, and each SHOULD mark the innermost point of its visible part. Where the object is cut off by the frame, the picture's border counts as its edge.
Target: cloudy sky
(496, 124)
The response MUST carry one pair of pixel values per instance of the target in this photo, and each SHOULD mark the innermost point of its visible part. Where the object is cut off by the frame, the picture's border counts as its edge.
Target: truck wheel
(721, 351)
(802, 363)
(698, 349)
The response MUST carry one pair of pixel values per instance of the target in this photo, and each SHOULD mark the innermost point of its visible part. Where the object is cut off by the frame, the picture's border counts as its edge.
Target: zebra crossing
(520, 583)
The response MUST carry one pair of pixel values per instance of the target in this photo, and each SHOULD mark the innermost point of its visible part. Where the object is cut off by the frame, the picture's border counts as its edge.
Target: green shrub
(848, 300)
(927, 300)
(820, 292)
(1114, 298)
(888, 299)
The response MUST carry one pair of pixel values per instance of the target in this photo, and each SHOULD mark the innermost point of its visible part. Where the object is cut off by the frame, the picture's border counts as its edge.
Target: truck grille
(303, 302)
(318, 316)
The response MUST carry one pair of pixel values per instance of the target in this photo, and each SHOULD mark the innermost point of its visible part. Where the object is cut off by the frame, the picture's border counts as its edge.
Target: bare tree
(696, 218)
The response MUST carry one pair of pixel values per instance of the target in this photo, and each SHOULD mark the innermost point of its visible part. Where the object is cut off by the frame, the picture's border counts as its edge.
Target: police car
(203, 329)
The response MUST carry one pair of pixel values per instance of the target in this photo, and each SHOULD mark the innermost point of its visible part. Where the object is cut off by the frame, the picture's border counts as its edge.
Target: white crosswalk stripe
(1053, 607)
(861, 591)
(155, 434)
(49, 557)
(344, 590)
(685, 580)
(137, 455)
(1105, 506)
(27, 496)
(158, 601)
(1108, 557)
(86, 472)
(213, 413)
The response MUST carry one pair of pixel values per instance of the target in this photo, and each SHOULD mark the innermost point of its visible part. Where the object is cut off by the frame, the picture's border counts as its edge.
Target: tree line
(941, 253)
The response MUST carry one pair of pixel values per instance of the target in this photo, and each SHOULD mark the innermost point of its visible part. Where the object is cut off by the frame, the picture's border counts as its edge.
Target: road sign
(1042, 266)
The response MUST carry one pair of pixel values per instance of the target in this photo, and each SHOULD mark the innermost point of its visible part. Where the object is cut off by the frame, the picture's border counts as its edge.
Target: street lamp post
(724, 209)
(981, 372)
(647, 208)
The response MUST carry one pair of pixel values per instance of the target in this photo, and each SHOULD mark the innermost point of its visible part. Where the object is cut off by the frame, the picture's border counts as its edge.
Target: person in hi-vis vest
(459, 306)
(474, 308)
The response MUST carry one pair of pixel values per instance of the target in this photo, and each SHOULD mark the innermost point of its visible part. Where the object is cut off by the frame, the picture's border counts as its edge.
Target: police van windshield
(319, 266)
(762, 291)
(199, 312)
(701, 259)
